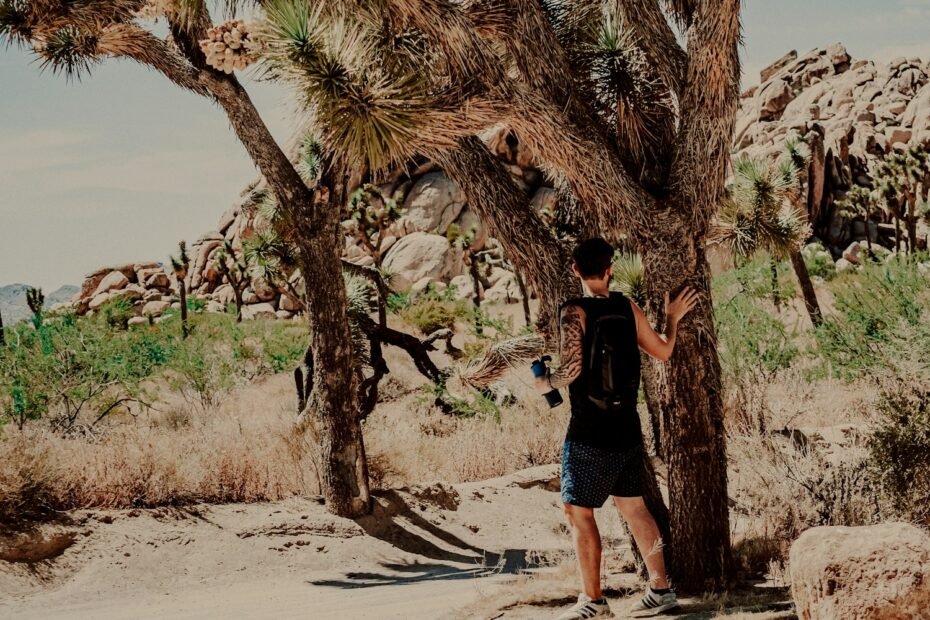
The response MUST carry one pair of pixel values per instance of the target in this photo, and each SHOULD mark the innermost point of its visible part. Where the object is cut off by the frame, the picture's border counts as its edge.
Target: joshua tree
(35, 299)
(757, 216)
(2, 332)
(180, 265)
(860, 202)
(235, 271)
(70, 38)
(372, 214)
(634, 130)
(903, 182)
(794, 161)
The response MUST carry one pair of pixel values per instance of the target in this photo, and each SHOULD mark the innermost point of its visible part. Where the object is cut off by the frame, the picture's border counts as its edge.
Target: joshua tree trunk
(807, 287)
(525, 294)
(776, 294)
(334, 400)
(911, 223)
(314, 228)
(237, 293)
(2, 333)
(531, 246)
(694, 440)
(476, 297)
(182, 293)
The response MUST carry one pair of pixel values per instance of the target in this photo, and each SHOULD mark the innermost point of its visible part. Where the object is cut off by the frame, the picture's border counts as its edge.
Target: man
(601, 334)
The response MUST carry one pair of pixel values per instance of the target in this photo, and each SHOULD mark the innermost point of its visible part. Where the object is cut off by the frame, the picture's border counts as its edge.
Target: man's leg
(587, 541)
(647, 537)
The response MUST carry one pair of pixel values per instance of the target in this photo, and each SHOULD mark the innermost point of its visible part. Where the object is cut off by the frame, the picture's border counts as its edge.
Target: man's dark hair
(593, 257)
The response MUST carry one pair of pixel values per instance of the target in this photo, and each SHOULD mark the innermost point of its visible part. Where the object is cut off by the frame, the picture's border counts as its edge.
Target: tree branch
(657, 40)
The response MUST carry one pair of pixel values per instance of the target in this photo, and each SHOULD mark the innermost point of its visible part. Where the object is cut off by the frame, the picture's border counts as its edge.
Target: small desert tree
(180, 265)
(235, 271)
(756, 215)
(35, 299)
(860, 202)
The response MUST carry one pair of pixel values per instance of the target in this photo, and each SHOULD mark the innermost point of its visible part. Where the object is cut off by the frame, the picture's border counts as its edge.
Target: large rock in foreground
(854, 573)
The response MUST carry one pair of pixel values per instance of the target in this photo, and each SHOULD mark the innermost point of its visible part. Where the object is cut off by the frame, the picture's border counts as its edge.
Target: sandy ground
(492, 549)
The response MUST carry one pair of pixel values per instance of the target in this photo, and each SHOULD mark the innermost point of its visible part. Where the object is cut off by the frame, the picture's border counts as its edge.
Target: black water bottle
(540, 370)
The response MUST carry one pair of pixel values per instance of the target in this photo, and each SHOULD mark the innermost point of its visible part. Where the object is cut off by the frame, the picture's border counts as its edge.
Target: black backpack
(612, 362)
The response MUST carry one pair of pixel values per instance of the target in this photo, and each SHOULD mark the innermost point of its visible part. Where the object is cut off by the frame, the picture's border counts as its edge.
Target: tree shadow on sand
(394, 521)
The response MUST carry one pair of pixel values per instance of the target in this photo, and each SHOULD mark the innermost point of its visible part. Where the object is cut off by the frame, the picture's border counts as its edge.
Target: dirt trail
(478, 550)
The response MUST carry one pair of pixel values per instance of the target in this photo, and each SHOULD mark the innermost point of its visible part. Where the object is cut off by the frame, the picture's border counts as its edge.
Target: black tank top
(615, 429)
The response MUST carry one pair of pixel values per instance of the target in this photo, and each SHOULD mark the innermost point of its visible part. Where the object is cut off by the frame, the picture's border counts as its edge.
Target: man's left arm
(571, 345)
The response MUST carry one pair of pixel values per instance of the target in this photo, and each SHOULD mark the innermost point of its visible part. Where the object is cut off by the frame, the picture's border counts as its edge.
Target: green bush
(432, 310)
(752, 342)
(117, 312)
(900, 446)
(880, 314)
(819, 261)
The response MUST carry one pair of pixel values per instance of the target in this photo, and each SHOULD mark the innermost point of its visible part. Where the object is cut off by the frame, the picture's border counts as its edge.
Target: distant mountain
(13, 301)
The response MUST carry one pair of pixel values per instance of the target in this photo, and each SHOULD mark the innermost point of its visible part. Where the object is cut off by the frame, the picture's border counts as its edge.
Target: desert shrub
(880, 310)
(899, 446)
(819, 261)
(70, 367)
(117, 312)
(753, 278)
(752, 341)
(784, 489)
(432, 310)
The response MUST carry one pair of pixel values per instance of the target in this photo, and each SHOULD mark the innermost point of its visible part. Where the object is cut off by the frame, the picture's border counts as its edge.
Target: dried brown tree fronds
(501, 358)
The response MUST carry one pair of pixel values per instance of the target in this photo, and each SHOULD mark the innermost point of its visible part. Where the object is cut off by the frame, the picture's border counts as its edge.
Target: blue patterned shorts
(590, 475)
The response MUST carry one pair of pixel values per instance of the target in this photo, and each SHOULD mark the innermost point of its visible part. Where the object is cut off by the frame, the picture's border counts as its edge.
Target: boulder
(898, 135)
(227, 220)
(224, 294)
(137, 320)
(464, 287)
(853, 253)
(777, 66)
(858, 572)
(158, 280)
(773, 98)
(283, 315)
(113, 281)
(263, 290)
(155, 308)
(91, 282)
(504, 288)
(421, 255)
(98, 300)
(420, 286)
(433, 203)
(844, 265)
(259, 311)
(215, 307)
(288, 304)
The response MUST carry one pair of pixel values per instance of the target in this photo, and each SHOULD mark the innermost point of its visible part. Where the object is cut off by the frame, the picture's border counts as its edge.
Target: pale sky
(121, 166)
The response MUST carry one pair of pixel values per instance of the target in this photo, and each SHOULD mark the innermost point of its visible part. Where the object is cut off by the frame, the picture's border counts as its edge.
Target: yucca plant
(627, 274)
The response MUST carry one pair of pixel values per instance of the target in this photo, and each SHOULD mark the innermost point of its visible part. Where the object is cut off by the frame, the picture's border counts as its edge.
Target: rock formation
(850, 112)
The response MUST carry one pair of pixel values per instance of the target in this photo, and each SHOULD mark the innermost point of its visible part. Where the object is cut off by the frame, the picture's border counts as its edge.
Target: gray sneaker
(653, 604)
(586, 608)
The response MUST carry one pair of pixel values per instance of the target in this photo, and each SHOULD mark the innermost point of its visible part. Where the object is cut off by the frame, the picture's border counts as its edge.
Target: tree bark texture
(694, 438)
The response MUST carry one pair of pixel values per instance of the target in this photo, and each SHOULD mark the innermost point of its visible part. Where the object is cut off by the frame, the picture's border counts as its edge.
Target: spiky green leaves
(15, 26)
(367, 111)
(70, 51)
(628, 276)
(756, 214)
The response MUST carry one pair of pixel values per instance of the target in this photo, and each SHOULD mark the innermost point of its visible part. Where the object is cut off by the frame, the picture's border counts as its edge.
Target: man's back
(603, 396)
